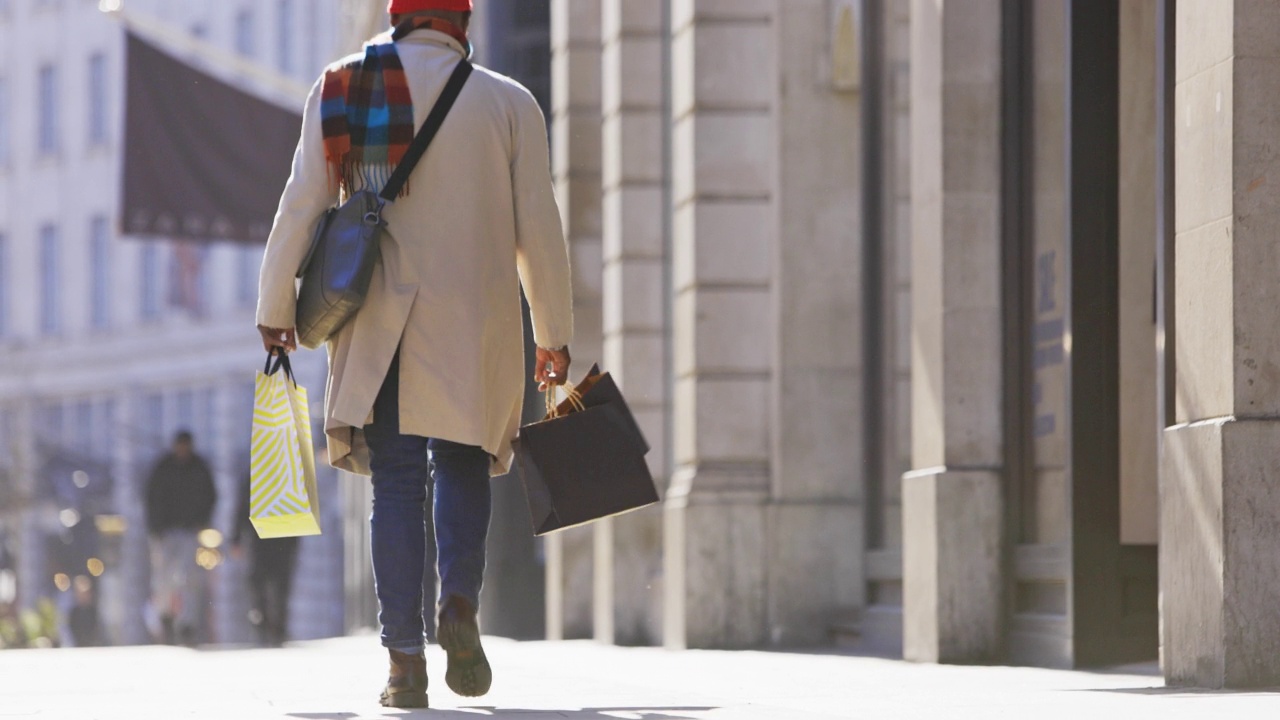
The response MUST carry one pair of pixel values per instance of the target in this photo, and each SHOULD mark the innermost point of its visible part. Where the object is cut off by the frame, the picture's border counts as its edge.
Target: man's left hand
(552, 367)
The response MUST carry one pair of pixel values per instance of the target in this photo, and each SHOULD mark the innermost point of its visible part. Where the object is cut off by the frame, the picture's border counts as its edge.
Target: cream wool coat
(480, 220)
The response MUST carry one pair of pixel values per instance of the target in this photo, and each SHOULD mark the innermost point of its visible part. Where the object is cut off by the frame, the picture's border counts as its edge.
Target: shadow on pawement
(470, 713)
(1186, 692)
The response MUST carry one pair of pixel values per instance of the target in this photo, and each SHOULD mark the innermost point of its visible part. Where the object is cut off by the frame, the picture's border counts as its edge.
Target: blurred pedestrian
(271, 564)
(180, 500)
(426, 381)
(82, 620)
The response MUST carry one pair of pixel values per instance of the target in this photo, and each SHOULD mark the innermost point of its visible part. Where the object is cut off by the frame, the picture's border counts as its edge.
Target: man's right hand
(273, 338)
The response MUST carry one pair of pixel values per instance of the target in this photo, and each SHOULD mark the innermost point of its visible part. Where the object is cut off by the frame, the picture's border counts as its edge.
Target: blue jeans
(402, 466)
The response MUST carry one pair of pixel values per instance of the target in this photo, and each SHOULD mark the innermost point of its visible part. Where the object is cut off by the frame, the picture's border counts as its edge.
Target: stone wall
(1219, 500)
(628, 550)
(952, 500)
(576, 147)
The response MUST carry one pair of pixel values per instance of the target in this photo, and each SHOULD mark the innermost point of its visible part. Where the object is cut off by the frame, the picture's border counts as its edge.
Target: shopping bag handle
(553, 407)
(282, 362)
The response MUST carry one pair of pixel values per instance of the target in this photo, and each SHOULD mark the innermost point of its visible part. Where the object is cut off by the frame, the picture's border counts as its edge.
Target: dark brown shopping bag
(585, 460)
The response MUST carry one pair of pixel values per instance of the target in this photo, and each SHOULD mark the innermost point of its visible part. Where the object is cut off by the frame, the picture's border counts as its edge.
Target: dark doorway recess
(1113, 587)
(519, 45)
(1076, 596)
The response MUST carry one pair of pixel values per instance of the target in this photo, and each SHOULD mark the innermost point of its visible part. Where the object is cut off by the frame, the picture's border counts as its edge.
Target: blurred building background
(152, 336)
(110, 344)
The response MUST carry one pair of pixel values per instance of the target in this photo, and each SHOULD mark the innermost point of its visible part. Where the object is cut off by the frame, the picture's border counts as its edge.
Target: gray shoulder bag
(339, 266)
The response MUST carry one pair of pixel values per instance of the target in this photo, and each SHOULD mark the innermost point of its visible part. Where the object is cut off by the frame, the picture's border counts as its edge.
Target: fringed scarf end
(352, 176)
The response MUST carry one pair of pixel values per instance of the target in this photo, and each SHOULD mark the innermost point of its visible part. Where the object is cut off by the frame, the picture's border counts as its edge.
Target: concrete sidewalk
(340, 679)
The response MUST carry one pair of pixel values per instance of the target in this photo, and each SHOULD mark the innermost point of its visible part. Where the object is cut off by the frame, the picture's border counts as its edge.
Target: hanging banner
(203, 160)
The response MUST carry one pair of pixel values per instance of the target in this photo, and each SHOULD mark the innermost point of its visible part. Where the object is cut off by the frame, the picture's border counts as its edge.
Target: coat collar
(426, 36)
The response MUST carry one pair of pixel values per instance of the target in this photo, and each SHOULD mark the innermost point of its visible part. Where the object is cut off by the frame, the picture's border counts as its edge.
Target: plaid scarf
(366, 111)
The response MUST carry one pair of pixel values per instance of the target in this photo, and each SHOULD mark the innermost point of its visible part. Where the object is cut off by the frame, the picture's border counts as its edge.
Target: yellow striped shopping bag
(283, 501)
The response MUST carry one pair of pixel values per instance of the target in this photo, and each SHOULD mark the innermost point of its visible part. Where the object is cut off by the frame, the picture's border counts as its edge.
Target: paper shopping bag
(585, 461)
(283, 501)
(599, 388)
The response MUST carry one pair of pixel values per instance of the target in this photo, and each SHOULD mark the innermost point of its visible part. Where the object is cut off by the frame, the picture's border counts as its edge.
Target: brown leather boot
(468, 674)
(407, 684)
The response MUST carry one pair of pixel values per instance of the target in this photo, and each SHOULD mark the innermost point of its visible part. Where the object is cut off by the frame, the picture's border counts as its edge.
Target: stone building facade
(948, 321)
(109, 344)
(688, 143)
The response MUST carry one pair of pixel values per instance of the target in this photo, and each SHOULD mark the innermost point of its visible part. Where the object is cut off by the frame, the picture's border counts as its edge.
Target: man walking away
(271, 564)
(426, 382)
(180, 500)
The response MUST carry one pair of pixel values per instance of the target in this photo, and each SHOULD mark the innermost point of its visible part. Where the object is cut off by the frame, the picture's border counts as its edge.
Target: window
(153, 418)
(104, 437)
(4, 285)
(248, 261)
(189, 277)
(47, 90)
(100, 273)
(244, 394)
(206, 425)
(4, 122)
(311, 35)
(50, 312)
(6, 452)
(83, 440)
(49, 418)
(149, 282)
(285, 30)
(186, 411)
(245, 44)
(97, 99)
(204, 291)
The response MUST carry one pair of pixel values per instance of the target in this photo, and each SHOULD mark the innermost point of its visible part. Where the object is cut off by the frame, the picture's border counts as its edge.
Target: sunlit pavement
(340, 680)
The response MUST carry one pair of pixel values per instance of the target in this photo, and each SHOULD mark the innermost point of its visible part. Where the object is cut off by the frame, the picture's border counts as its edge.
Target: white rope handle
(553, 407)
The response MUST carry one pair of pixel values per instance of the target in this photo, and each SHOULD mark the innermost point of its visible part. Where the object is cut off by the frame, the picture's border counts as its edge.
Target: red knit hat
(400, 7)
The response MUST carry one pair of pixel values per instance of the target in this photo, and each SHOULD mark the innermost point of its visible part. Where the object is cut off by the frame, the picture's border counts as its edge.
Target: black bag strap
(281, 362)
(427, 133)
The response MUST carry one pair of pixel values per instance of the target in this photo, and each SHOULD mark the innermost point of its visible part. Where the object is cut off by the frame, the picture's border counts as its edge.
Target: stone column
(952, 501)
(1139, 507)
(816, 528)
(576, 150)
(880, 623)
(229, 591)
(1220, 503)
(628, 550)
(31, 567)
(725, 169)
(129, 474)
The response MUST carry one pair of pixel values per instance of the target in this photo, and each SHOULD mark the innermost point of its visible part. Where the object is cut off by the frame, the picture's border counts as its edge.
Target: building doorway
(1080, 273)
